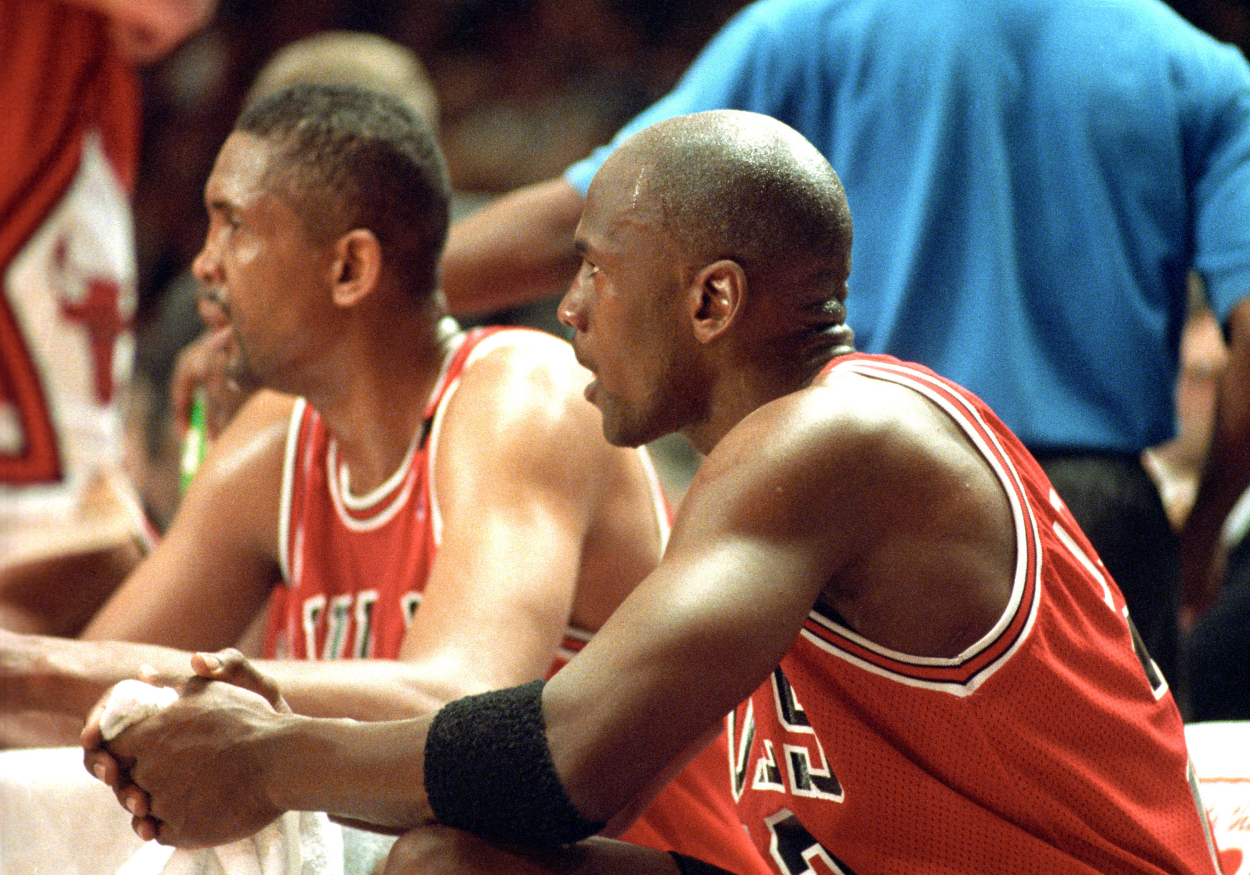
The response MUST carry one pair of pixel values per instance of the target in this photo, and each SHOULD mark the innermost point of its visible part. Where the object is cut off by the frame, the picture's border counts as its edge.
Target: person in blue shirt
(1034, 181)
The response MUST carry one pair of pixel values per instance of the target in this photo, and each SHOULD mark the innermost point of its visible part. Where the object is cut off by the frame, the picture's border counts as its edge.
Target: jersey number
(796, 851)
(806, 768)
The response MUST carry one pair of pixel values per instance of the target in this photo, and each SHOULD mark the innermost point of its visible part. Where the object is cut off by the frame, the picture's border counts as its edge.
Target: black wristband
(694, 866)
(488, 771)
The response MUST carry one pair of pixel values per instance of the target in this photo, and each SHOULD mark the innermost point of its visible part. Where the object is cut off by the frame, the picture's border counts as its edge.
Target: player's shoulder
(844, 426)
(258, 431)
(846, 404)
(520, 396)
(523, 360)
(241, 472)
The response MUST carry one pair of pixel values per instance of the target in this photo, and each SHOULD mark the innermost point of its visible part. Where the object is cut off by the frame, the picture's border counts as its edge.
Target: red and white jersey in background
(68, 156)
(1051, 746)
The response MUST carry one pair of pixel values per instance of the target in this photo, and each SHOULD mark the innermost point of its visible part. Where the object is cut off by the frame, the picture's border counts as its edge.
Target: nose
(572, 309)
(206, 268)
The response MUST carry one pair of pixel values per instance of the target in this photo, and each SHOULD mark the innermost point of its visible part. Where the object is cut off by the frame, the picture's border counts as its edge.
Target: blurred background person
(70, 525)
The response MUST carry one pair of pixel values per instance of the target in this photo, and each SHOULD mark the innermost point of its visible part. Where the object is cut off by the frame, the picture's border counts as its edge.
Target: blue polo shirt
(1031, 182)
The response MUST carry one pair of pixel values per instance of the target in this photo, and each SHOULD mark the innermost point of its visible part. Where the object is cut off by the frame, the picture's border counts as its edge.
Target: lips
(212, 306)
(581, 360)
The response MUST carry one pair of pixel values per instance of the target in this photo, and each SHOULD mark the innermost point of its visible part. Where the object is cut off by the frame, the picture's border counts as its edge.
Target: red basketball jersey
(68, 156)
(1051, 746)
(356, 566)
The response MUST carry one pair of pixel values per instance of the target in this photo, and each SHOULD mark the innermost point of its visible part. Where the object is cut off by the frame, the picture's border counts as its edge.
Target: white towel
(298, 843)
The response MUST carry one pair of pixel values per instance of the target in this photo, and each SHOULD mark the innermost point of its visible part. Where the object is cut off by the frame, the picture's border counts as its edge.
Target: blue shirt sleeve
(1222, 186)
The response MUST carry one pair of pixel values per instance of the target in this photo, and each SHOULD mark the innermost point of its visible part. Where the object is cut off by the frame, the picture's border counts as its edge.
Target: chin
(618, 436)
(617, 439)
(621, 435)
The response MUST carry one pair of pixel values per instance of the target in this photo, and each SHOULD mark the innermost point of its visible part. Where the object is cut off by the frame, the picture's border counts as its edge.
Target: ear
(356, 268)
(717, 296)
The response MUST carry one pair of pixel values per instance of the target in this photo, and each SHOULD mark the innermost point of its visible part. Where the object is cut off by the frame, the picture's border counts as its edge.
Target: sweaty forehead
(238, 175)
(618, 200)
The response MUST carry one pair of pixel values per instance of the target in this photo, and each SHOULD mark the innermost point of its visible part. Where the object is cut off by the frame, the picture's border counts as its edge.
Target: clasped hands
(191, 774)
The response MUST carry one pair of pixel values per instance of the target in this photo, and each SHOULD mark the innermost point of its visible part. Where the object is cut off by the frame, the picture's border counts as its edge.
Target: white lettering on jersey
(807, 771)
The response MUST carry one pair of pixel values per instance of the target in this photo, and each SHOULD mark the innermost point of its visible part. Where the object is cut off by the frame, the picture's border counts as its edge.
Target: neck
(736, 394)
(382, 394)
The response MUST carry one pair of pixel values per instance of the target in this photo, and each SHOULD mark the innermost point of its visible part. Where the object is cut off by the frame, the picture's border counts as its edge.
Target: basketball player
(71, 526)
(438, 504)
(924, 667)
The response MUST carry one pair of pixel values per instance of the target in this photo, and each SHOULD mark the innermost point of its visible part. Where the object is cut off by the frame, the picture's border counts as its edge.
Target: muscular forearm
(515, 251)
(46, 678)
(365, 773)
(51, 683)
(38, 729)
(362, 689)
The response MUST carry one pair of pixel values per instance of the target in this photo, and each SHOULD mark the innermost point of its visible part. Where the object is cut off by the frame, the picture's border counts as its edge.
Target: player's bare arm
(754, 547)
(523, 494)
(1227, 471)
(513, 251)
(196, 590)
(217, 563)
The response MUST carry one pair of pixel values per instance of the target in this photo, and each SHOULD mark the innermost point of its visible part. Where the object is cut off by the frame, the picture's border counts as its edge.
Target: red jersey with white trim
(68, 156)
(356, 567)
(1051, 746)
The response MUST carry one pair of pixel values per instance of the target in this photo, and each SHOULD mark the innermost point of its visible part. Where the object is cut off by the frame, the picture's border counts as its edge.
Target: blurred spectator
(70, 526)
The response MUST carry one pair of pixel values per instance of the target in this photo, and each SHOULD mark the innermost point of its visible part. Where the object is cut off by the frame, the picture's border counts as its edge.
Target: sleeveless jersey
(1050, 746)
(68, 155)
(355, 568)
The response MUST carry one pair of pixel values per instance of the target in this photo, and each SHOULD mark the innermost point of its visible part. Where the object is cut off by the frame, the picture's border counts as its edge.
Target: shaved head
(715, 253)
(745, 187)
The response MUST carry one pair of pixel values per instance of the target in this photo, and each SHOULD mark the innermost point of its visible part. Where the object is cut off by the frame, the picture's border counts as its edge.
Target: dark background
(526, 87)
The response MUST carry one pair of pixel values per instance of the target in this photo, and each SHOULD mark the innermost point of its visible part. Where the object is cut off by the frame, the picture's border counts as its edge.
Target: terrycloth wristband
(488, 770)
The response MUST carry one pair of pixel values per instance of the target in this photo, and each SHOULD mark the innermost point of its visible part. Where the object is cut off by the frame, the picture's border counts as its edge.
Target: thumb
(232, 667)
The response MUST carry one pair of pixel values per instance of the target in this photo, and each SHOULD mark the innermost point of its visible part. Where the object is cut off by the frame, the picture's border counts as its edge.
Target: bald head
(745, 187)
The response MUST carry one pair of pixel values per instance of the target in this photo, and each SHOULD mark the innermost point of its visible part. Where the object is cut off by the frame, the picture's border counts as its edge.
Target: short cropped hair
(352, 158)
